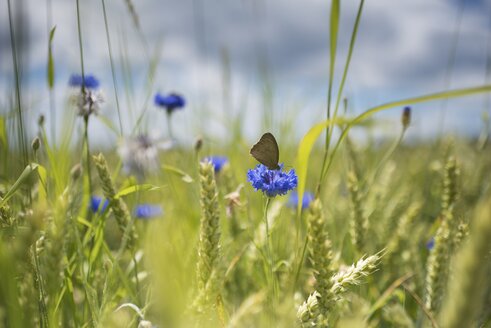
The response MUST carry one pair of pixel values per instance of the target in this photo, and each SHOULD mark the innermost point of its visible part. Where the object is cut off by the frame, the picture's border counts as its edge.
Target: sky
(245, 57)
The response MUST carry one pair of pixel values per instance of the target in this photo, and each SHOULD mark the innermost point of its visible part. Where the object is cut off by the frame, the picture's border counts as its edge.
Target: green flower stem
(87, 152)
(269, 254)
(169, 125)
(80, 46)
(387, 156)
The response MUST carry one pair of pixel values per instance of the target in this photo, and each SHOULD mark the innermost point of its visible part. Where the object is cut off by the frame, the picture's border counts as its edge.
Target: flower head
(171, 102)
(88, 101)
(308, 197)
(140, 153)
(218, 162)
(272, 182)
(147, 211)
(430, 244)
(95, 204)
(88, 81)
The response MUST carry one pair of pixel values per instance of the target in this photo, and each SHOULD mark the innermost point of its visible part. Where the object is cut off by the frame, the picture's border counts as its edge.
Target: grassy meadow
(161, 232)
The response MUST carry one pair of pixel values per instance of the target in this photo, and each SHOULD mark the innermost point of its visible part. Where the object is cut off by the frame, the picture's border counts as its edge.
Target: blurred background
(263, 63)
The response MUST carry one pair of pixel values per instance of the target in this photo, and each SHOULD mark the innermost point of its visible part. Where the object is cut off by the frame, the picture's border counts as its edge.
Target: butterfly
(266, 151)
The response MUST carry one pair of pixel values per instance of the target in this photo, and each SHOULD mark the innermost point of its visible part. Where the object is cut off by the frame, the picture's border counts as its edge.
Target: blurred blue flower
(430, 244)
(89, 81)
(147, 211)
(272, 182)
(308, 197)
(170, 102)
(95, 204)
(217, 161)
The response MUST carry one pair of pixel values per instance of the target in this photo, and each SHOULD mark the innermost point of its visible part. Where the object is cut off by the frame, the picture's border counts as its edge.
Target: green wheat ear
(320, 250)
(117, 205)
(320, 305)
(465, 295)
(437, 274)
(401, 236)
(316, 307)
(58, 233)
(450, 184)
(209, 238)
(359, 222)
(446, 238)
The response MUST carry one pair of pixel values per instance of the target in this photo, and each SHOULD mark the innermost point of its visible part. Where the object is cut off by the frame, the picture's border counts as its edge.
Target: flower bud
(76, 171)
(35, 144)
(406, 117)
(198, 144)
(41, 120)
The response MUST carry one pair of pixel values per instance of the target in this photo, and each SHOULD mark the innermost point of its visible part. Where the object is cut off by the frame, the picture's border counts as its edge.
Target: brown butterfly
(266, 151)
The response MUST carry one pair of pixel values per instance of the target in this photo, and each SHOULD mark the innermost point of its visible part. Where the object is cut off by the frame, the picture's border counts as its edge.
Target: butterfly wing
(266, 151)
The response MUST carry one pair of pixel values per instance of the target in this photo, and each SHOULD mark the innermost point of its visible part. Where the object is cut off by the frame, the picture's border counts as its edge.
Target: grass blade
(333, 36)
(136, 188)
(348, 58)
(183, 175)
(51, 63)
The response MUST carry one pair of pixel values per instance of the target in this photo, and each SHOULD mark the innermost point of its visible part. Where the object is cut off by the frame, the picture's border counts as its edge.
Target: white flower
(88, 101)
(140, 154)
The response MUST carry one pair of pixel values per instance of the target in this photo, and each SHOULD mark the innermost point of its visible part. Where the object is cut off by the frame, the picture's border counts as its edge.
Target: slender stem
(137, 281)
(43, 311)
(113, 71)
(381, 301)
(298, 227)
(86, 117)
(386, 157)
(87, 151)
(169, 125)
(22, 140)
(452, 55)
(80, 47)
(418, 300)
(52, 96)
(269, 252)
(300, 263)
(334, 22)
(324, 167)
(348, 58)
(135, 263)
(340, 92)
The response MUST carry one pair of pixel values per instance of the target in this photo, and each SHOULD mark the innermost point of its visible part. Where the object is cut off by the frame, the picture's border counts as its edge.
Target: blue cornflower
(217, 161)
(430, 244)
(170, 102)
(272, 182)
(147, 211)
(89, 81)
(308, 197)
(95, 204)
